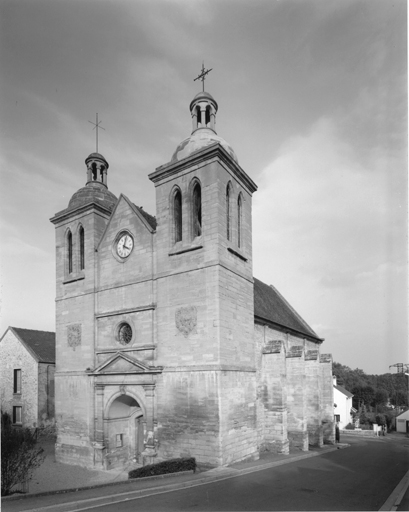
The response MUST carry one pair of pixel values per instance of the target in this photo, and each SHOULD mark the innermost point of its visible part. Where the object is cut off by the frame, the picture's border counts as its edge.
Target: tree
(380, 398)
(20, 455)
(399, 399)
(363, 394)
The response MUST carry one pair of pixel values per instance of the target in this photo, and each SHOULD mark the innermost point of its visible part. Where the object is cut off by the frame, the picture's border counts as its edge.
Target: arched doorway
(124, 432)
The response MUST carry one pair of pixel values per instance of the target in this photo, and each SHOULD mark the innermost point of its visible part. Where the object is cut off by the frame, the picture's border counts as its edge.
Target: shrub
(20, 455)
(381, 419)
(350, 427)
(366, 427)
(162, 468)
(5, 420)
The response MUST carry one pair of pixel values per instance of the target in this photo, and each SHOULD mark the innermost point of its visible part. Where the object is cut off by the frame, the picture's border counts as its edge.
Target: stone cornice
(125, 311)
(67, 213)
(212, 151)
(210, 368)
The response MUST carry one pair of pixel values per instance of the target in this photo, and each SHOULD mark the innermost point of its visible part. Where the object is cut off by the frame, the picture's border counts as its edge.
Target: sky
(312, 97)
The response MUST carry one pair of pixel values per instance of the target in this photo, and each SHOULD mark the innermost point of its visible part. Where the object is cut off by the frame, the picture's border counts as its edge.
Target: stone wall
(74, 404)
(296, 395)
(327, 399)
(46, 394)
(188, 414)
(238, 425)
(14, 355)
(313, 395)
(271, 389)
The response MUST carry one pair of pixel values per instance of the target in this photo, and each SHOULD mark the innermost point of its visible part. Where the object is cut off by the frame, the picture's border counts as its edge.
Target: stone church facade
(167, 346)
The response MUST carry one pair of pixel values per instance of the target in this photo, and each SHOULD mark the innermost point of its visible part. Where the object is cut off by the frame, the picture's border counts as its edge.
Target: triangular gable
(343, 391)
(29, 349)
(143, 217)
(123, 363)
(40, 343)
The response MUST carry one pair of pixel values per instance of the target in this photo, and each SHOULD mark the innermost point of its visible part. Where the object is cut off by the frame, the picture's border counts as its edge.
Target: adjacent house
(342, 405)
(27, 367)
(402, 422)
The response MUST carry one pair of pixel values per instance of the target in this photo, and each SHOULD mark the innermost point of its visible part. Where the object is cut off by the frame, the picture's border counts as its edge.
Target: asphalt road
(357, 478)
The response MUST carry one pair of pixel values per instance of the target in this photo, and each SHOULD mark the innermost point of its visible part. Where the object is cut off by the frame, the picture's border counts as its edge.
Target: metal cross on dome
(97, 125)
(203, 74)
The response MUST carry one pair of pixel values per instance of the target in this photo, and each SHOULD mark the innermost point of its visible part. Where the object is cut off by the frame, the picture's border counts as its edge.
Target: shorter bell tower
(78, 229)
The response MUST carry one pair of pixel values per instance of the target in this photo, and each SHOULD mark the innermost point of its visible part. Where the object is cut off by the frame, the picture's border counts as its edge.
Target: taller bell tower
(205, 301)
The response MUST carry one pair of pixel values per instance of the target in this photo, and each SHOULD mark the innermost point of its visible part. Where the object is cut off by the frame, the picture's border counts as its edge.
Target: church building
(166, 344)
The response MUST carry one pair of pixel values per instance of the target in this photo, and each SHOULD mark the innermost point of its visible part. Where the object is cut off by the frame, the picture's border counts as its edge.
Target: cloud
(328, 233)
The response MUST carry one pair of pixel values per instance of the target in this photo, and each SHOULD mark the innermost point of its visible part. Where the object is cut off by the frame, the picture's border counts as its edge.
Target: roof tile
(40, 342)
(270, 305)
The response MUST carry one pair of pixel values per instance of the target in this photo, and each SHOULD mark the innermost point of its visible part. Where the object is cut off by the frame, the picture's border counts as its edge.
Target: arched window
(228, 213)
(207, 121)
(239, 221)
(82, 248)
(197, 210)
(177, 216)
(199, 117)
(69, 252)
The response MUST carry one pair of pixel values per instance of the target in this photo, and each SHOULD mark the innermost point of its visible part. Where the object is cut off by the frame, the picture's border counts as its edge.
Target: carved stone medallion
(186, 320)
(74, 335)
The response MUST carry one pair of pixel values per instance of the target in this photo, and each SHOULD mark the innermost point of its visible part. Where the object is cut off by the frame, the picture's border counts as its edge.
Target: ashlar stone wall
(271, 389)
(46, 394)
(75, 418)
(327, 399)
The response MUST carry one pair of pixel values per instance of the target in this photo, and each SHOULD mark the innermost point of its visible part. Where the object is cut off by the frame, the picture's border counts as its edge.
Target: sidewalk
(58, 487)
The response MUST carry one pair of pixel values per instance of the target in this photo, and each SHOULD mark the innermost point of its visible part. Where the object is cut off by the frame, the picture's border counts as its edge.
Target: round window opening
(124, 334)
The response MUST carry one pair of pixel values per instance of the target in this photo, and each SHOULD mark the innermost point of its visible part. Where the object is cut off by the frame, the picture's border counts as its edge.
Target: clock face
(124, 246)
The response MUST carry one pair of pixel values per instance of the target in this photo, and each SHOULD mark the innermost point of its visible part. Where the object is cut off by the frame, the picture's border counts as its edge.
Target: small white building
(402, 422)
(342, 405)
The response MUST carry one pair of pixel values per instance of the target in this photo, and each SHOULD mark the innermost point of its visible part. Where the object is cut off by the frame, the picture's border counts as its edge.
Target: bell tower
(205, 301)
(78, 229)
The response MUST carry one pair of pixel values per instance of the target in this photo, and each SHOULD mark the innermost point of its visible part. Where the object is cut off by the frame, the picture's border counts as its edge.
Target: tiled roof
(150, 218)
(343, 390)
(42, 343)
(270, 305)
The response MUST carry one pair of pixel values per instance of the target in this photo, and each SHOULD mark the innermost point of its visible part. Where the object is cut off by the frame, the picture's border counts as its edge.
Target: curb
(394, 500)
(223, 473)
(96, 486)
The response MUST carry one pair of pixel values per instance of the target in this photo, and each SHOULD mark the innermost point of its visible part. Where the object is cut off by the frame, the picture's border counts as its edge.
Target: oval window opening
(124, 334)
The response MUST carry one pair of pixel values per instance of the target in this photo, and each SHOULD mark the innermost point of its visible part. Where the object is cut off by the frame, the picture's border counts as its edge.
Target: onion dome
(93, 193)
(96, 188)
(203, 109)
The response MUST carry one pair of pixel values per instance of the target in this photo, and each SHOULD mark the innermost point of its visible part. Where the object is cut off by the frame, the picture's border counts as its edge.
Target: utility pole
(404, 369)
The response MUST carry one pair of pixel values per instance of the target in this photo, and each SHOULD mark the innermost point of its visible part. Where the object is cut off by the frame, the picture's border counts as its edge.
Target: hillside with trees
(377, 398)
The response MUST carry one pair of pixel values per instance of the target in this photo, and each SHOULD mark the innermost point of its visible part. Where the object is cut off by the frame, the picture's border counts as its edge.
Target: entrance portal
(124, 432)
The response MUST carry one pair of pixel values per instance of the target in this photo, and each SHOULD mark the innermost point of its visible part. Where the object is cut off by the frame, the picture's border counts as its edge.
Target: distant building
(27, 367)
(402, 422)
(343, 409)
(167, 346)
